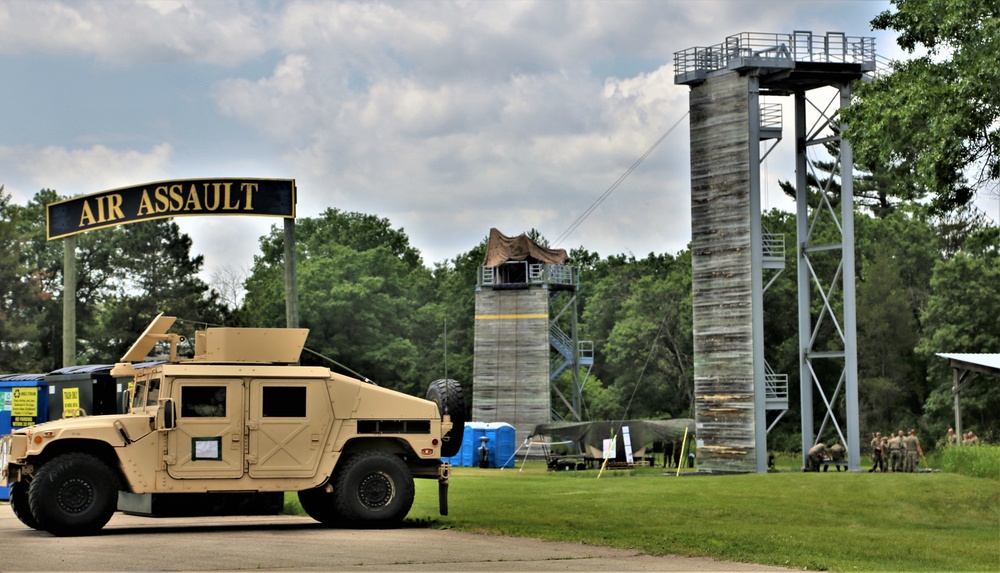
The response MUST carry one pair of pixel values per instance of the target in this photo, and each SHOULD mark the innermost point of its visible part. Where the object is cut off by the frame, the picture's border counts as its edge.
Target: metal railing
(533, 274)
(781, 50)
(770, 116)
(561, 341)
(776, 387)
(773, 245)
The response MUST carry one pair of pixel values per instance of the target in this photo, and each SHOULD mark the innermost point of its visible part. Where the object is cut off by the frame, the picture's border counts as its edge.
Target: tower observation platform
(799, 61)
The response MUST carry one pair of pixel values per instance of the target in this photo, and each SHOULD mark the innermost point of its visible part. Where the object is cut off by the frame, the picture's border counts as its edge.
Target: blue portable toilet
(499, 445)
(24, 401)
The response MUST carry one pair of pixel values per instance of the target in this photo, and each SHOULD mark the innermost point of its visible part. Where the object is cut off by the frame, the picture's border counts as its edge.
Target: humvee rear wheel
(450, 400)
(374, 489)
(19, 503)
(74, 494)
(319, 505)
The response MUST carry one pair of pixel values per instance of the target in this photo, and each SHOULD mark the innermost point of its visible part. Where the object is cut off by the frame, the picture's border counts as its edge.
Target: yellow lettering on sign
(86, 215)
(115, 207)
(145, 205)
(109, 208)
(162, 201)
(192, 203)
(212, 206)
(249, 189)
(176, 198)
(228, 205)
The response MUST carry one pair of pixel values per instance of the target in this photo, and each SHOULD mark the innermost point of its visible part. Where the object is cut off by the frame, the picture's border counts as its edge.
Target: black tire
(319, 505)
(74, 494)
(21, 506)
(448, 395)
(373, 488)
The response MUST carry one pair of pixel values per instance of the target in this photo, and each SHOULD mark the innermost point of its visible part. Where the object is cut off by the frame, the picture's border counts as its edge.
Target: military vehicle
(240, 420)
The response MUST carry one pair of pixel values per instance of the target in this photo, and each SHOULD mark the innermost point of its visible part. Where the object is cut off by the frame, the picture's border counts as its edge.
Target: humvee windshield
(139, 394)
(154, 392)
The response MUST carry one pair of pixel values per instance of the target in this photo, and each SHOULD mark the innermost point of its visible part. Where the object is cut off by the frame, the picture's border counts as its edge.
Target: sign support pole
(69, 301)
(291, 282)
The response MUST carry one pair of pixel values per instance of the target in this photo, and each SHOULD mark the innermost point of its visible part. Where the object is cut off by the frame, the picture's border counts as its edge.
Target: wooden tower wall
(721, 280)
(511, 369)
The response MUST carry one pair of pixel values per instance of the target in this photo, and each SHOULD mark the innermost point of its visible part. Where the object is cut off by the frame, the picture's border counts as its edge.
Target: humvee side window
(283, 402)
(154, 392)
(203, 401)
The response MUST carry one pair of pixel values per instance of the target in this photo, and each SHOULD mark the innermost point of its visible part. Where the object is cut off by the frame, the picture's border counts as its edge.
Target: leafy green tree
(151, 271)
(454, 293)
(21, 296)
(961, 317)
(895, 255)
(363, 293)
(886, 338)
(935, 117)
(639, 317)
(125, 276)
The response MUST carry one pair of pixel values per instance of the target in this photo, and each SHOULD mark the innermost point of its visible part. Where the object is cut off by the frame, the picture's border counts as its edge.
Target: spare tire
(448, 395)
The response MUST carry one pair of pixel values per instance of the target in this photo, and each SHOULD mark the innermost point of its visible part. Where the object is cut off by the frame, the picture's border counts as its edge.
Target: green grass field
(827, 521)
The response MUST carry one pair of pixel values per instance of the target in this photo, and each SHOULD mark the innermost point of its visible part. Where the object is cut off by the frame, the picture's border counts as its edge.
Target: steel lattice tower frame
(838, 346)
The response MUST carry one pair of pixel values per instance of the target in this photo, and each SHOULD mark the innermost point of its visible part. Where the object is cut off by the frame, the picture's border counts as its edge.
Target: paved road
(292, 543)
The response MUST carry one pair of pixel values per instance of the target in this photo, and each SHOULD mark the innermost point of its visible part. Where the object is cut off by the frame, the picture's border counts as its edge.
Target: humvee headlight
(4, 450)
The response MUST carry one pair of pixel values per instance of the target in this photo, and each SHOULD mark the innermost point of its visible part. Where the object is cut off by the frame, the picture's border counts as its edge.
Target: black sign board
(266, 197)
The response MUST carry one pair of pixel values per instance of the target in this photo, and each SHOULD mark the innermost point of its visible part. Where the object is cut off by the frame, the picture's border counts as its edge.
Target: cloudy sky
(446, 118)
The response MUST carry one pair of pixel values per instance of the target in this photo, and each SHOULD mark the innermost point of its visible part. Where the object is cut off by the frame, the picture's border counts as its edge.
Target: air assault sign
(268, 197)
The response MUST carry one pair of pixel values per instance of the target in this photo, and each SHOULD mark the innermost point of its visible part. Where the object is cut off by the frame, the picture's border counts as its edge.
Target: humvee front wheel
(19, 503)
(74, 494)
(373, 489)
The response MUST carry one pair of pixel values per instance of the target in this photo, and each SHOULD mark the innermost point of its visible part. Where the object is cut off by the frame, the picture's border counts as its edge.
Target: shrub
(974, 461)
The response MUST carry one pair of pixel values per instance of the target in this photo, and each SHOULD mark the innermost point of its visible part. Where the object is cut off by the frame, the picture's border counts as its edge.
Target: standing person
(951, 439)
(973, 438)
(836, 454)
(815, 456)
(913, 451)
(878, 454)
(896, 448)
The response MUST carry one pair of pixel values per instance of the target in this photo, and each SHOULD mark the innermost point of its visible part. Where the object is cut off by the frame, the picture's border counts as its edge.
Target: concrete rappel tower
(519, 347)
(734, 387)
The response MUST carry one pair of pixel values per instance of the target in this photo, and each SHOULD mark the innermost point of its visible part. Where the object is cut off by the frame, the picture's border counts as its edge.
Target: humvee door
(208, 439)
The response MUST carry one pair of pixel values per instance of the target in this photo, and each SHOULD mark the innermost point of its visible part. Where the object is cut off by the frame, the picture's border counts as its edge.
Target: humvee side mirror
(165, 415)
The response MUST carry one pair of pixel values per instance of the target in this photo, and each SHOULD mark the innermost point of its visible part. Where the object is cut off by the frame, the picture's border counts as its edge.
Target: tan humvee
(238, 419)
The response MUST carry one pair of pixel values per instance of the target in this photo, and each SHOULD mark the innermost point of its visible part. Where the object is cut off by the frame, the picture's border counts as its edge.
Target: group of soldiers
(897, 453)
(900, 453)
(968, 439)
(819, 452)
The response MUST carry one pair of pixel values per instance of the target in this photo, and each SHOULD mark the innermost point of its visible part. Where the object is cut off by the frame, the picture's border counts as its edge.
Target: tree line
(926, 283)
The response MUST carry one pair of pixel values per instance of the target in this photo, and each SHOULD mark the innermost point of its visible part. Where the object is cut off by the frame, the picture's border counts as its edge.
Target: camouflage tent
(589, 436)
(501, 249)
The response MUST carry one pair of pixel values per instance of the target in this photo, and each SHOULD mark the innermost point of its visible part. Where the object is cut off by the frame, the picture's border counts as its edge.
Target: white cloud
(127, 32)
(83, 171)
(448, 118)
